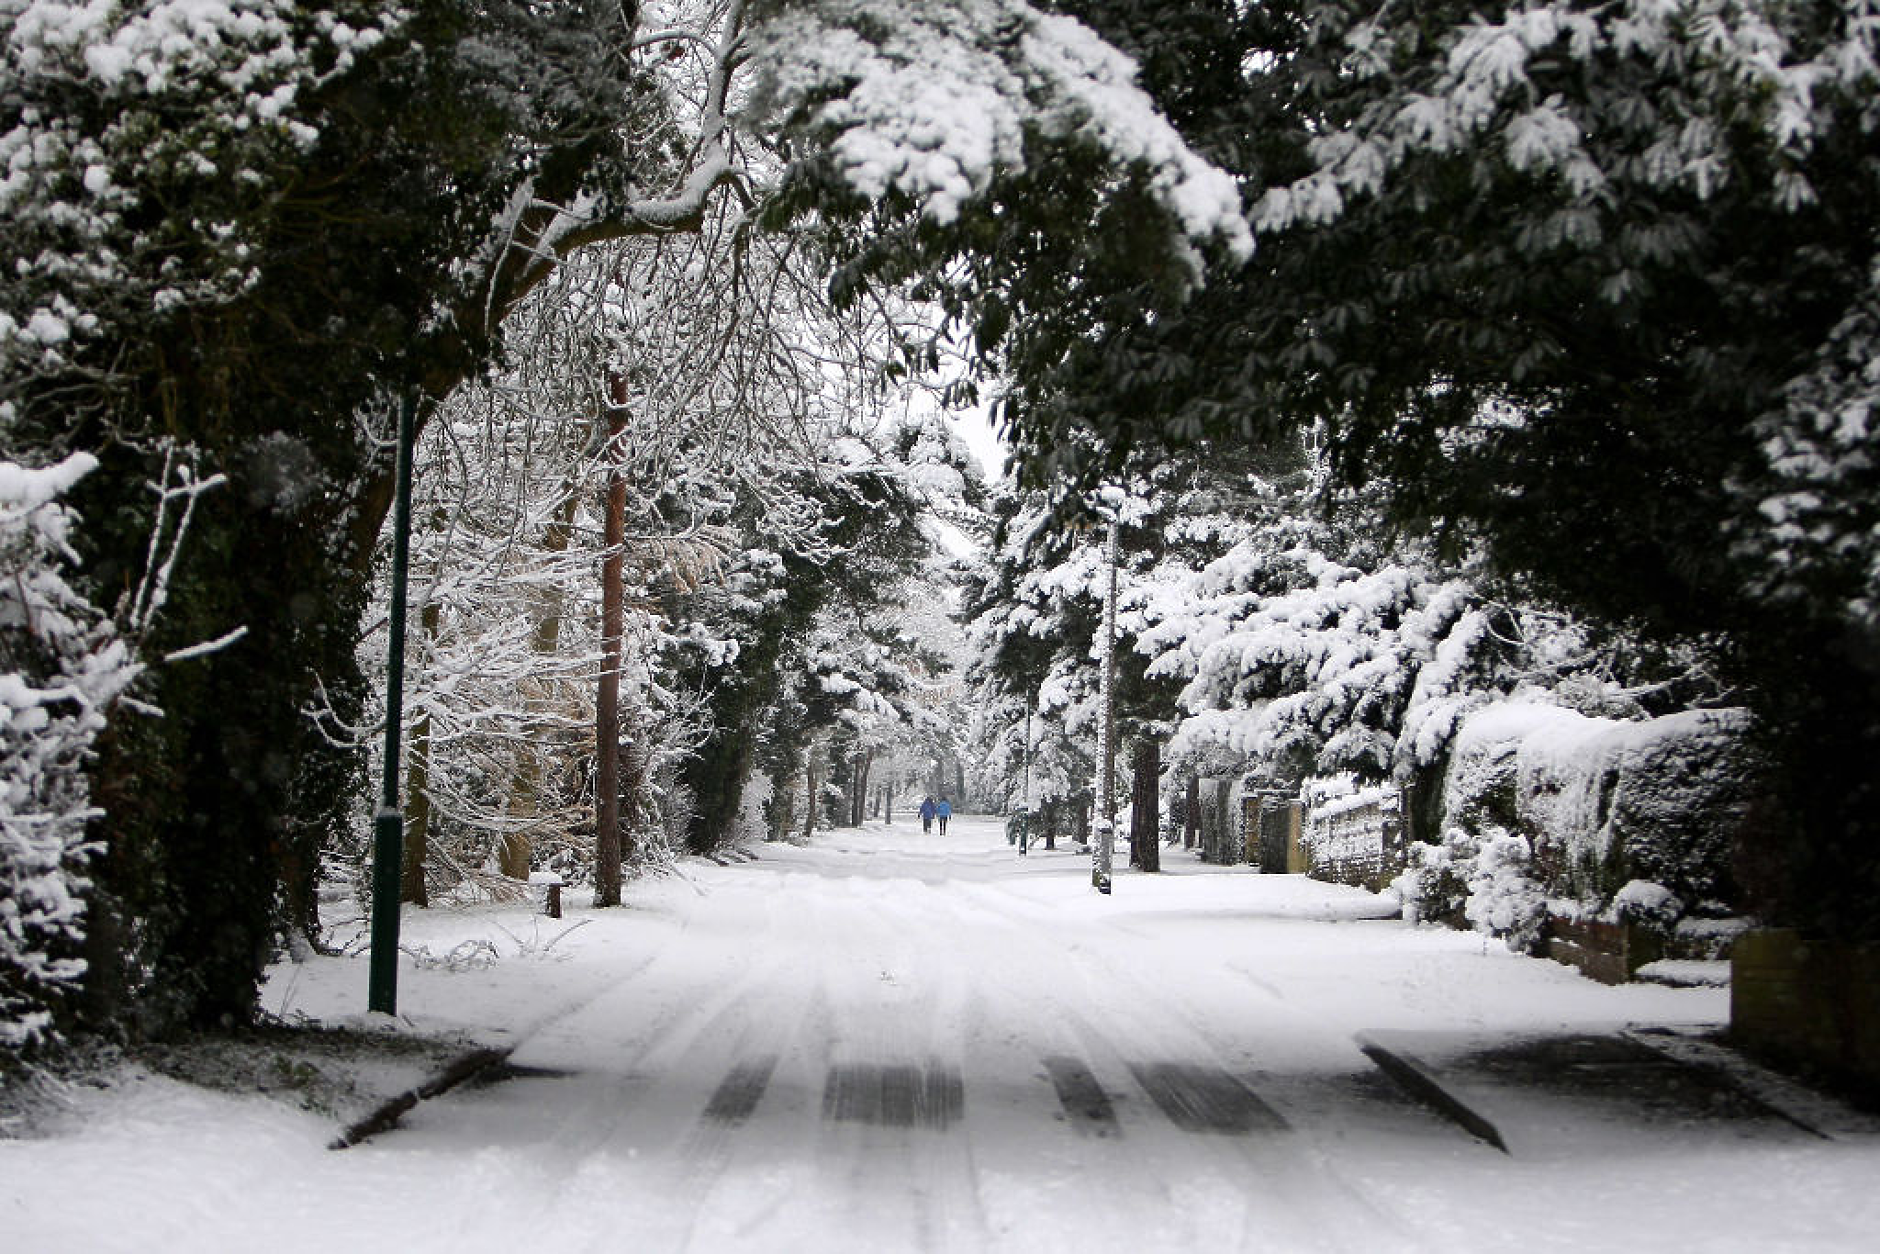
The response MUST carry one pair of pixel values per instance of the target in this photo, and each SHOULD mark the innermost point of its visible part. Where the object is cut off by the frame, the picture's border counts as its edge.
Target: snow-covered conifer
(61, 668)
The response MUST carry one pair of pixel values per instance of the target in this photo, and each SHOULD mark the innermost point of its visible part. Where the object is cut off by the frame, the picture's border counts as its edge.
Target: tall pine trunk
(811, 783)
(857, 811)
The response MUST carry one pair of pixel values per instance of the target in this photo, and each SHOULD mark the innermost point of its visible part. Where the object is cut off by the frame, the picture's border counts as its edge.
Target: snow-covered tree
(62, 666)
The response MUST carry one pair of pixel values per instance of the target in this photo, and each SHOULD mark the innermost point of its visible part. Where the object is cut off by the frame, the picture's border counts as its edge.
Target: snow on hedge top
(1572, 775)
(934, 100)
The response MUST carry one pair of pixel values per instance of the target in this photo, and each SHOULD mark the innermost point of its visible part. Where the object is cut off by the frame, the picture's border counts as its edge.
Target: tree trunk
(887, 803)
(810, 785)
(1145, 844)
(514, 852)
(782, 807)
(1191, 813)
(863, 759)
(417, 843)
(417, 814)
(607, 848)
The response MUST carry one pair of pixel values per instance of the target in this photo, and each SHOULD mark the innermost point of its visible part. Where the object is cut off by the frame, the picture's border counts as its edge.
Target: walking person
(927, 811)
(943, 812)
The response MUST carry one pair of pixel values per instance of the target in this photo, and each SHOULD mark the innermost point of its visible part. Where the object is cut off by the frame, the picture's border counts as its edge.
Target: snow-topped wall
(1356, 838)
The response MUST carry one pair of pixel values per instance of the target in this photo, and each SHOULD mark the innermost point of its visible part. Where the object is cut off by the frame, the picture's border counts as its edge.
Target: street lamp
(388, 825)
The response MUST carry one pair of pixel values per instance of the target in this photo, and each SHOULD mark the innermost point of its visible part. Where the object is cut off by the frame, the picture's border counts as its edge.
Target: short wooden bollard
(551, 904)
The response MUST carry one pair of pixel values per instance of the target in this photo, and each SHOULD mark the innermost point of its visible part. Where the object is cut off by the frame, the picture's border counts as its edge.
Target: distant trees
(771, 501)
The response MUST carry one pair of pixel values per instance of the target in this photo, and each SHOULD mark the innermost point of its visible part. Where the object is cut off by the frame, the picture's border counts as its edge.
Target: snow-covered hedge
(1623, 820)
(61, 666)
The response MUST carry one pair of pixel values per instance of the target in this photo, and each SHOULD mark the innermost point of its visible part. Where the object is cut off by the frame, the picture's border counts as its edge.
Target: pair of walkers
(930, 810)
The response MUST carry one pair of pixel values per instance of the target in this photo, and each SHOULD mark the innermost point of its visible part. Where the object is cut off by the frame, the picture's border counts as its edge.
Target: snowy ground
(895, 1042)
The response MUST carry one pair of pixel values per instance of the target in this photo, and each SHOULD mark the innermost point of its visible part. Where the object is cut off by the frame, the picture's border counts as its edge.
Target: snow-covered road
(894, 1042)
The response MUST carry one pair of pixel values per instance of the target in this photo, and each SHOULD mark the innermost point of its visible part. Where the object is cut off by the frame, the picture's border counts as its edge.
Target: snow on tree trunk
(1106, 736)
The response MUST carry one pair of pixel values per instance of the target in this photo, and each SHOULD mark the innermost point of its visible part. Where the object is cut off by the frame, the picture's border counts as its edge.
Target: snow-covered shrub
(1648, 905)
(1604, 803)
(1434, 885)
(1504, 899)
(61, 667)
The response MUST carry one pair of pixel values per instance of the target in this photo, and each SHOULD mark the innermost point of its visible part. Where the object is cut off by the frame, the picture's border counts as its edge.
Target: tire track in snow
(608, 1149)
(1301, 1176)
(1140, 1036)
(897, 999)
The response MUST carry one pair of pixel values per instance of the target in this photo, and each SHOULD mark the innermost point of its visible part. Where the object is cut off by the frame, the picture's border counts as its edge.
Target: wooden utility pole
(1191, 814)
(608, 850)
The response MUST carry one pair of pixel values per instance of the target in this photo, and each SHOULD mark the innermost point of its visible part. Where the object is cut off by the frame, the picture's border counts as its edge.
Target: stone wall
(1611, 953)
(1221, 839)
(1356, 839)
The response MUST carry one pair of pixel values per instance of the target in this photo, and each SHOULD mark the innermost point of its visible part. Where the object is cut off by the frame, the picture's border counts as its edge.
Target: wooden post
(607, 849)
(551, 898)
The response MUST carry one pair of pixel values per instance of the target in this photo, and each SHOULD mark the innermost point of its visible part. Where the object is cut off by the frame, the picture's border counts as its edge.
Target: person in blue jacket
(927, 811)
(943, 812)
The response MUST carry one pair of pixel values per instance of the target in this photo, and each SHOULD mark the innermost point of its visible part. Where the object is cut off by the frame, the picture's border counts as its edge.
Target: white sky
(975, 427)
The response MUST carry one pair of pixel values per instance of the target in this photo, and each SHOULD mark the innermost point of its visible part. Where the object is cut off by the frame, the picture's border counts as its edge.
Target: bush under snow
(1630, 820)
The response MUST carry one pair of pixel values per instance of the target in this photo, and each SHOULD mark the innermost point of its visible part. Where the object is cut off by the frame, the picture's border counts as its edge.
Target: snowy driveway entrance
(892, 1042)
